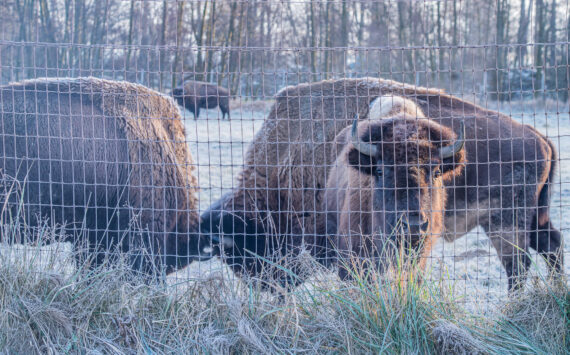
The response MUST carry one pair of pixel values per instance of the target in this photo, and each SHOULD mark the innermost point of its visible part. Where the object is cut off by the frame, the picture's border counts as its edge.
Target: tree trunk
(326, 68)
(455, 40)
(539, 48)
(49, 33)
(130, 38)
(344, 35)
(210, 41)
(313, 43)
(228, 42)
(179, 17)
(163, 44)
(522, 35)
(199, 68)
(404, 41)
(552, 30)
(497, 74)
(235, 59)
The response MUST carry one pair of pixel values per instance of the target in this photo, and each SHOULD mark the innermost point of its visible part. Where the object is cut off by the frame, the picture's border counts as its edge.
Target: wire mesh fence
(270, 140)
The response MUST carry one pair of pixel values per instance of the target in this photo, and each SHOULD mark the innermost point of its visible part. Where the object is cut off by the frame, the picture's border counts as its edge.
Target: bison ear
(453, 166)
(362, 162)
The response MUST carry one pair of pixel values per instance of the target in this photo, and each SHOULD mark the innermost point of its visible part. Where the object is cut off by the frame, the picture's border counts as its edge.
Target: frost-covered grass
(50, 307)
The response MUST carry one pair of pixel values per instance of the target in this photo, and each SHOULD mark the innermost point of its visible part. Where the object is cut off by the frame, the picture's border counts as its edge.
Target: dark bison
(107, 161)
(278, 207)
(195, 95)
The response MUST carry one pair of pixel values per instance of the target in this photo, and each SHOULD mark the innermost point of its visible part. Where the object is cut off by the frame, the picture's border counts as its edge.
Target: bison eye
(436, 174)
(379, 172)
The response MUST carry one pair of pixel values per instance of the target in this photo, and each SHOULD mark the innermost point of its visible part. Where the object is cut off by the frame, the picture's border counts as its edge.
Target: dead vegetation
(50, 307)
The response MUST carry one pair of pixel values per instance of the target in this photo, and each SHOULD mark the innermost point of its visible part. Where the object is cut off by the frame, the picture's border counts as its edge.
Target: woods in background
(504, 49)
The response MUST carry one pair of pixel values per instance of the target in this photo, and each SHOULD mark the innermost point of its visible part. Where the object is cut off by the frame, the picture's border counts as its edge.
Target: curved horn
(362, 147)
(450, 150)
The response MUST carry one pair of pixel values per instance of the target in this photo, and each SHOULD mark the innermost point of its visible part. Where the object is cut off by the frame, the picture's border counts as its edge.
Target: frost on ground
(469, 266)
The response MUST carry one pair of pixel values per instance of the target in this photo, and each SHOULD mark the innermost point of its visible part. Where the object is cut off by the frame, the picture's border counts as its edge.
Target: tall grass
(50, 307)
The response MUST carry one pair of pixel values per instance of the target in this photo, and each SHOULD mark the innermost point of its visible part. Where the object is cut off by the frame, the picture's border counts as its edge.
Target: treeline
(503, 49)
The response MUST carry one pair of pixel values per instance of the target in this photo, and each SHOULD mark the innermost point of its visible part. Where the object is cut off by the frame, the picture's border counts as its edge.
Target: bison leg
(224, 112)
(546, 240)
(512, 249)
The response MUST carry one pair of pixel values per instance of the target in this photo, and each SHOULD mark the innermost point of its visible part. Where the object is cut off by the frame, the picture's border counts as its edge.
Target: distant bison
(278, 208)
(106, 160)
(195, 95)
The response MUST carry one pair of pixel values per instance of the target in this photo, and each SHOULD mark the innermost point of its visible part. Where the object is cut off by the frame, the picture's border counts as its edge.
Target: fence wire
(290, 143)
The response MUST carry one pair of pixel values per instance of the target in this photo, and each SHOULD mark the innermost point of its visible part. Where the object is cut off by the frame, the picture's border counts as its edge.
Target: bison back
(101, 158)
(64, 159)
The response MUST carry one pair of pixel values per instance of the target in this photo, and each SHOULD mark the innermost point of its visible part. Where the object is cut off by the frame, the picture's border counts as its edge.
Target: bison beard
(106, 160)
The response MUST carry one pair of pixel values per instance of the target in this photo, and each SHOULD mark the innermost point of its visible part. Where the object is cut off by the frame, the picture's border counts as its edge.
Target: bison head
(408, 161)
(178, 95)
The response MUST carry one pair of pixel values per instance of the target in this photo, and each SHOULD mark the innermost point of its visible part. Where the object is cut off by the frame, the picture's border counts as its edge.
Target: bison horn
(362, 147)
(451, 150)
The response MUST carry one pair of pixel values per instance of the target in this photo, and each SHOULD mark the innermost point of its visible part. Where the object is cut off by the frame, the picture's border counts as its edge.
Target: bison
(107, 161)
(195, 95)
(385, 192)
(278, 206)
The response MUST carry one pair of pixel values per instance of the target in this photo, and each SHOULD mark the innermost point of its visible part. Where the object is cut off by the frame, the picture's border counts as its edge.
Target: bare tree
(522, 33)
(227, 42)
(130, 38)
(540, 26)
(179, 18)
(102, 37)
(313, 36)
(211, 37)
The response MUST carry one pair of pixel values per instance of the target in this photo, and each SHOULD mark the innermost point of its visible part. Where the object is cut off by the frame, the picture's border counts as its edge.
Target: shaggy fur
(195, 95)
(103, 157)
(367, 196)
(279, 198)
(388, 106)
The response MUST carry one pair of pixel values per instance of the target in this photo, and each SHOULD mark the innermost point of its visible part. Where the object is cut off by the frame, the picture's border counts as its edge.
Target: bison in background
(195, 95)
(278, 208)
(107, 161)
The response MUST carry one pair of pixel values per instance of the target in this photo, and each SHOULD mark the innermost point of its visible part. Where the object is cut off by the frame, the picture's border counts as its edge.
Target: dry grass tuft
(452, 339)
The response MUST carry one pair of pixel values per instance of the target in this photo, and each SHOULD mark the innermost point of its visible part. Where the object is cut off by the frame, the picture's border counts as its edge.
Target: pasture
(115, 238)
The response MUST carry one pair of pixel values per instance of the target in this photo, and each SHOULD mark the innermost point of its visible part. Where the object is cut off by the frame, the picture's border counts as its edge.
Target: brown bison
(107, 161)
(195, 95)
(386, 189)
(278, 207)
